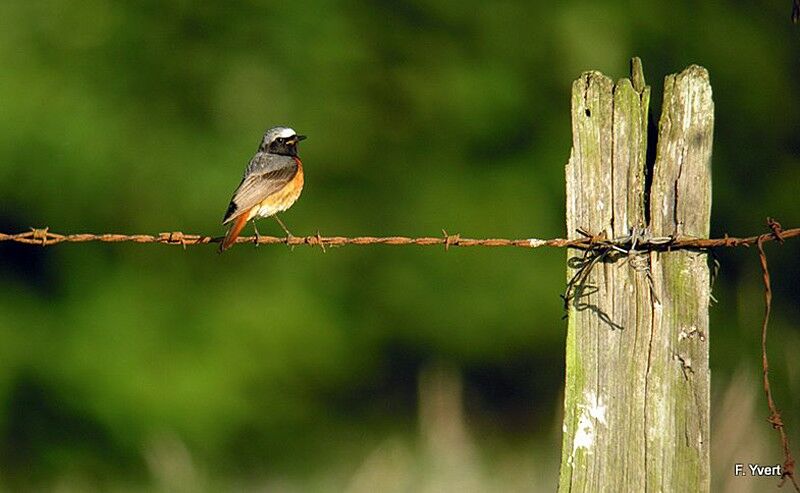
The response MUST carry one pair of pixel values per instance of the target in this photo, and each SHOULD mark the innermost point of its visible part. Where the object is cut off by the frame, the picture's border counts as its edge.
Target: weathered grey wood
(637, 397)
(681, 205)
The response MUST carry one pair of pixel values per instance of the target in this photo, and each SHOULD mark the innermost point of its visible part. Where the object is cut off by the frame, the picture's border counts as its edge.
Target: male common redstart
(272, 182)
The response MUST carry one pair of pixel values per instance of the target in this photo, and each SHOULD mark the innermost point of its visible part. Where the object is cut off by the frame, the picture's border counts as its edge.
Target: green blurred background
(128, 367)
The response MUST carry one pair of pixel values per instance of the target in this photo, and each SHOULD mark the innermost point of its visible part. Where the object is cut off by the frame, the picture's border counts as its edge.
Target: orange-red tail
(233, 232)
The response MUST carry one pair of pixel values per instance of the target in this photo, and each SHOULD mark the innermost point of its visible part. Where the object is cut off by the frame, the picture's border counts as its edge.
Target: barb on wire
(44, 237)
(775, 418)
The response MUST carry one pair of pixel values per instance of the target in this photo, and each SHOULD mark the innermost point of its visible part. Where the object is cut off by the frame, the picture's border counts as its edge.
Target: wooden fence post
(636, 407)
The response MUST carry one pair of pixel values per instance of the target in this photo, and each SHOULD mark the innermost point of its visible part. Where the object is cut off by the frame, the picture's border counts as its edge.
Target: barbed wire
(636, 241)
(775, 418)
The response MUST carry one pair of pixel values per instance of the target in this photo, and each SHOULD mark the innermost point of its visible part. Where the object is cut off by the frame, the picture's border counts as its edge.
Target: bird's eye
(280, 140)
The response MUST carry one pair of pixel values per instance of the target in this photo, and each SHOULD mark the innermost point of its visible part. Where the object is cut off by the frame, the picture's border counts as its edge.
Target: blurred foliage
(269, 363)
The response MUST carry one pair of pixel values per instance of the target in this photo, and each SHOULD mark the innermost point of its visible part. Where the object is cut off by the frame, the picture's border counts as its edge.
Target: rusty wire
(44, 237)
(775, 418)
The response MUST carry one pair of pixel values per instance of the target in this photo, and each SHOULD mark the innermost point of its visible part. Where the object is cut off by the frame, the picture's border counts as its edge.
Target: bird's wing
(257, 186)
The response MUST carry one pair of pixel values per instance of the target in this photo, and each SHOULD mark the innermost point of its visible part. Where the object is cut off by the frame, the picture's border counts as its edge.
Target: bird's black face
(286, 146)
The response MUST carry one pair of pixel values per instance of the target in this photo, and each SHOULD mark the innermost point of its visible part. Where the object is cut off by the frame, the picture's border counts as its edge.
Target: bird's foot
(257, 238)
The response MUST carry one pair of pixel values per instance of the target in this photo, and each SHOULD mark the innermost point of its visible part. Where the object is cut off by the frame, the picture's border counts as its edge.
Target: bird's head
(281, 140)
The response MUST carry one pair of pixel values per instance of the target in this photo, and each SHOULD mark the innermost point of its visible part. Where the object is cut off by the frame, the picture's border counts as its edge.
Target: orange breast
(281, 200)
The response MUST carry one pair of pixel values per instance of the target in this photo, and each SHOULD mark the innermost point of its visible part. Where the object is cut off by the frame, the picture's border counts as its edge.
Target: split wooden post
(637, 379)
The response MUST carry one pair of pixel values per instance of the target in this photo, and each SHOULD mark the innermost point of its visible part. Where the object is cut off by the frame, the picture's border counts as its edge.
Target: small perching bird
(272, 182)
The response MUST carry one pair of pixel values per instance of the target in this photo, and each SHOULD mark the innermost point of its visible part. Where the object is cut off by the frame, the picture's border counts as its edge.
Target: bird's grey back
(264, 162)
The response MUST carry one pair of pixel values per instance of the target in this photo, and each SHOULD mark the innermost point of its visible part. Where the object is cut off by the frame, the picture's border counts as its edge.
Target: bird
(272, 182)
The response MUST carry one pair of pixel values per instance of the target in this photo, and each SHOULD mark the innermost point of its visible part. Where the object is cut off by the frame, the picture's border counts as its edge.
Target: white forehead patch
(286, 133)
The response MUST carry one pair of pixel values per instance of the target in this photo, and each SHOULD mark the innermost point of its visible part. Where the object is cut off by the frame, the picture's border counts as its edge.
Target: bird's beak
(298, 138)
